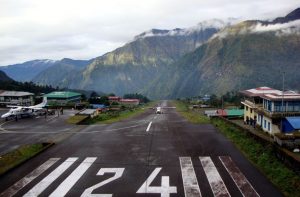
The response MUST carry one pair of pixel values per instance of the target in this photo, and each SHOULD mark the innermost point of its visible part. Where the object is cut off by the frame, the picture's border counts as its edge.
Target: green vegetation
(263, 157)
(26, 86)
(190, 114)
(20, 155)
(116, 116)
(77, 119)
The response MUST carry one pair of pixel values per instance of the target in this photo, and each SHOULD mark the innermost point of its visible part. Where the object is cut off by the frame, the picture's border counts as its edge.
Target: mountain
(61, 72)
(246, 55)
(28, 70)
(132, 67)
(4, 77)
(213, 57)
(294, 15)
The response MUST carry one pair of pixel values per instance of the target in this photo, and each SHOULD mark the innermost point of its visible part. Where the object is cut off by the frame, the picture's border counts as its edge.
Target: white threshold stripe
(69, 182)
(12, 190)
(43, 184)
(149, 125)
(215, 181)
(190, 183)
(238, 177)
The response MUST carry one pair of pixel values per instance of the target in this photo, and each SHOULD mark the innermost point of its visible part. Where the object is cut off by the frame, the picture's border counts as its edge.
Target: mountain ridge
(212, 57)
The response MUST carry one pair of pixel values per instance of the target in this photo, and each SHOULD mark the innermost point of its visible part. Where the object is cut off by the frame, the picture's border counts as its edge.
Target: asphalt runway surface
(149, 155)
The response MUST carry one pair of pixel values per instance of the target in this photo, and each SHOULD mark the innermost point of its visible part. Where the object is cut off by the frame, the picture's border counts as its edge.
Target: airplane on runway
(159, 109)
(16, 111)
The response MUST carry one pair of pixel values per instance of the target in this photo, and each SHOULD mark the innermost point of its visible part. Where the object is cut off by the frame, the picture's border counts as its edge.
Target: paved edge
(49, 144)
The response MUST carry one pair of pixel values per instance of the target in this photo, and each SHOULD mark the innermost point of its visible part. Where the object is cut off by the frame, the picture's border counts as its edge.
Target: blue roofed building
(291, 124)
(271, 109)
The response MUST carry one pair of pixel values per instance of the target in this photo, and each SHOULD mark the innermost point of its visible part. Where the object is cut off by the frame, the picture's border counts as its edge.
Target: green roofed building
(62, 98)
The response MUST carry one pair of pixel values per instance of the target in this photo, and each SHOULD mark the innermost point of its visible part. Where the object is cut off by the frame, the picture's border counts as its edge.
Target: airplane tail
(44, 103)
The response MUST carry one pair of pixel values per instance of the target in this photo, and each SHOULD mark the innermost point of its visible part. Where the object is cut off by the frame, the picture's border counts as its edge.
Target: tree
(94, 95)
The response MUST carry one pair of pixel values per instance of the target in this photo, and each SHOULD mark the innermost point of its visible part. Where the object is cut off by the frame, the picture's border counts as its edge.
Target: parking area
(33, 130)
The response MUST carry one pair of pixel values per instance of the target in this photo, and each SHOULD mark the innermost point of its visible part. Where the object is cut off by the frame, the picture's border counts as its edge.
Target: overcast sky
(84, 29)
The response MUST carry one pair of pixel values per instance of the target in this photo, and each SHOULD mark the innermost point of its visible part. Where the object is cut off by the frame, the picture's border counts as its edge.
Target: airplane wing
(24, 107)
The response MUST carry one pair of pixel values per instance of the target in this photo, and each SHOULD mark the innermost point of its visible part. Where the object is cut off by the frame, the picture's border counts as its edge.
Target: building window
(265, 124)
(269, 126)
(251, 111)
(246, 108)
(269, 105)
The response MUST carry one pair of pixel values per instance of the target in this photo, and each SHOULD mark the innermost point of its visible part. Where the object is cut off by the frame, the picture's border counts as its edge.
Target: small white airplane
(158, 110)
(16, 111)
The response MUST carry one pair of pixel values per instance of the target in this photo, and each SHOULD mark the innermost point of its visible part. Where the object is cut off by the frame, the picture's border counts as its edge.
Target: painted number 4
(164, 190)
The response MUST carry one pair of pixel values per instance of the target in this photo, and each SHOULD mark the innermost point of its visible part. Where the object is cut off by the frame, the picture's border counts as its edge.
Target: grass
(263, 157)
(20, 155)
(76, 119)
(116, 116)
(190, 114)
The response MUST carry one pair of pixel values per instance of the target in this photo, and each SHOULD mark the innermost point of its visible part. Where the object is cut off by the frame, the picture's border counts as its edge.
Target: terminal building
(273, 110)
(62, 97)
(16, 98)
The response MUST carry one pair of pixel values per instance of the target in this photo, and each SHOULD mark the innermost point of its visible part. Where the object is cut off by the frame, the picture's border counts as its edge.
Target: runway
(149, 155)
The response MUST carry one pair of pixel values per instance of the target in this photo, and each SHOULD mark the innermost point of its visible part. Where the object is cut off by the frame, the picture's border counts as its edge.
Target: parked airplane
(16, 111)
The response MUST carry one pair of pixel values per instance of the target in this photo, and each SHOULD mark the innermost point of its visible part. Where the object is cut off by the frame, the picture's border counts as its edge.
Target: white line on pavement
(190, 183)
(68, 183)
(215, 181)
(148, 128)
(238, 177)
(11, 191)
(51, 118)
(43, 184)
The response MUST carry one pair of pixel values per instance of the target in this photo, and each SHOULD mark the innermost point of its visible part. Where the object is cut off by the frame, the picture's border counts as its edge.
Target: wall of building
(267, 126)
(249, 112)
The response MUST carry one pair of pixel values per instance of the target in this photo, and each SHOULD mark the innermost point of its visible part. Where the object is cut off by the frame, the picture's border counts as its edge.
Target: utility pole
(282, 100)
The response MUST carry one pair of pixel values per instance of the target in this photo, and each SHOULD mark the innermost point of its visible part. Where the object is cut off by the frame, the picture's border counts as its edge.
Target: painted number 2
(164, 190)
(118, 173)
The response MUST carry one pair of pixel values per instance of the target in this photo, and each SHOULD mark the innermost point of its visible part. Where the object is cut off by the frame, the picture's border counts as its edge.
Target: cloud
(54, 29)
(282, 29)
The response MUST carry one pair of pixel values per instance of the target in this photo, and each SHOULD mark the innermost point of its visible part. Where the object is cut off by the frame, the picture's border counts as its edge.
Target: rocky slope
(246, 55)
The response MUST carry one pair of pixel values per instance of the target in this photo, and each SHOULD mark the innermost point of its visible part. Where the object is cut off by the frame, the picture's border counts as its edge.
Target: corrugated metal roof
(15, 93)
(221, 112)
(62, 94)
(234, 112)
(87, 112)
(260, 91)
(294, 121)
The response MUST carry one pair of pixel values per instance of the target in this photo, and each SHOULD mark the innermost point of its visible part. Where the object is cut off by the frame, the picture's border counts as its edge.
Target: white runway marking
(69, 182)
(238, 177)
(51, 118)
(215, 181)
(164, 190)
(30, 177)
(190, 183)
(148, 128)
(43, 184)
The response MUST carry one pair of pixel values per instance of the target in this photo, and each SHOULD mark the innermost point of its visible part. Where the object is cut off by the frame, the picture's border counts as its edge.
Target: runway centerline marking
(43, 184)
(215, 181)
(149, 125)
(190, 183)
(28, 178)
(238, 177)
